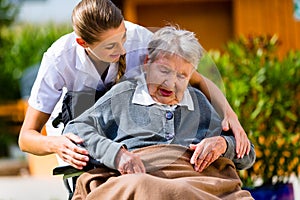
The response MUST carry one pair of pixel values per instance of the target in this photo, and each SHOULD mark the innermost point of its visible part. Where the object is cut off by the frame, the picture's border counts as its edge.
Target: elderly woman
(157, 137)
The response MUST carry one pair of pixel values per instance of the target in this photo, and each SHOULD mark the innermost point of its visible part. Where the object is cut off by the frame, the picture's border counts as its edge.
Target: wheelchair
(75, 103)
(71, 174)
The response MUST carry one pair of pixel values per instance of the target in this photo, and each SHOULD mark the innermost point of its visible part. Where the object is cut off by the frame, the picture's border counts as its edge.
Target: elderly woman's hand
(207, 151)
(129, 163)
(243, 145)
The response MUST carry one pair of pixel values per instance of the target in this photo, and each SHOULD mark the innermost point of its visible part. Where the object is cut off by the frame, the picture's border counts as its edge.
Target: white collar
(93, 79)
(141, 95)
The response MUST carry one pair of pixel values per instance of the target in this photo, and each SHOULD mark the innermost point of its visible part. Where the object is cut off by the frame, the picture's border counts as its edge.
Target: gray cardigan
(114, 121)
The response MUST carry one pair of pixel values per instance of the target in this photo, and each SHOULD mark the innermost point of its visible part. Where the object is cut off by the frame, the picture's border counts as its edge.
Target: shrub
(24, 47)
(265, 93)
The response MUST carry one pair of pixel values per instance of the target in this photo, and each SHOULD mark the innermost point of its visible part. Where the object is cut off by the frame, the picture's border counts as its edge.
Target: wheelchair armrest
(68, 169)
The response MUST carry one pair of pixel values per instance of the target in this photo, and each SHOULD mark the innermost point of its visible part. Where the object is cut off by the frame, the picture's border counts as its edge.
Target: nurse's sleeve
(91, 126)
(47, 88)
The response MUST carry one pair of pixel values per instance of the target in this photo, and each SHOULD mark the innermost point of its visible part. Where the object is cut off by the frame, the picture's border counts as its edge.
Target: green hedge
(264, 91)
(23, 46)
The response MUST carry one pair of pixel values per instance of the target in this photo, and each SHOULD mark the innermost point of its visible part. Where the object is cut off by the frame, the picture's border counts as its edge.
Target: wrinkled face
(167, 78)
(111, 44)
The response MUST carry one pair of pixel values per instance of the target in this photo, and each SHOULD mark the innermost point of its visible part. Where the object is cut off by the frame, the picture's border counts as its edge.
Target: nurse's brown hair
(90, 18)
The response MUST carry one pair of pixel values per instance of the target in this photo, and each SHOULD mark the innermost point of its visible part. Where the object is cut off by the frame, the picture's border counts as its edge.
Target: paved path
(32, 188)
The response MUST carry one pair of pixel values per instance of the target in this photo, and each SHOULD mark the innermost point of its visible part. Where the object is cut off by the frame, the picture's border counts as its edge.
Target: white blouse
(66, 65)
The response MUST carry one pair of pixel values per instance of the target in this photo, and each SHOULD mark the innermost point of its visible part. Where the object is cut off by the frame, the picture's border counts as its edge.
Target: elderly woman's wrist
(224, 144)
(119, 155)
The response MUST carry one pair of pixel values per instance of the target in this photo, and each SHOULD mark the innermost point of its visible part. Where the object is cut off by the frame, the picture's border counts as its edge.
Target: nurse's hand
(129, 163)
(69, 152)
(243, 145)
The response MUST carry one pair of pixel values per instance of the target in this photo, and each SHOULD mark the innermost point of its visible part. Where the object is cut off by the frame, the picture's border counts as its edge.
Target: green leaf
(258, 109)
(280, 125)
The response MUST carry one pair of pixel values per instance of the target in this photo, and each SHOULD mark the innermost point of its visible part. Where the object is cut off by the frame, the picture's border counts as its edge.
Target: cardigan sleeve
(214, 128)
(90, 126)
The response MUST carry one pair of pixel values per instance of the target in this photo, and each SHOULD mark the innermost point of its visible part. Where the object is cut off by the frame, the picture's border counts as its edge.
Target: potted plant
(264, 91)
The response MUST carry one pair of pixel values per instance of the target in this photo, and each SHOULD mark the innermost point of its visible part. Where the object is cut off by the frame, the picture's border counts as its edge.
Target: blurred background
(254, 44)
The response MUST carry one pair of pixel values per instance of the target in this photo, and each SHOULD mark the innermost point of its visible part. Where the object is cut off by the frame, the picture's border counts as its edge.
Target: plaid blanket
(169, 176)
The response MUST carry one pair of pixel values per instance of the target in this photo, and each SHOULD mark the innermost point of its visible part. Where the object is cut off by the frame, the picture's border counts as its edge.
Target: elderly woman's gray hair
(171, 40)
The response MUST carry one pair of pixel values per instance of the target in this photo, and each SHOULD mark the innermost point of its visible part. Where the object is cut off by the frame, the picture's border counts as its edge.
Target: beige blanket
(169, 176)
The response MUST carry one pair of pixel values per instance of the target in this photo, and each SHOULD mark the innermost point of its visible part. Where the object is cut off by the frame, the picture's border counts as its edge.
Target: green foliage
(21, 46)
(24, 47)
(8, 12)
(7, 137)
(265, 93)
